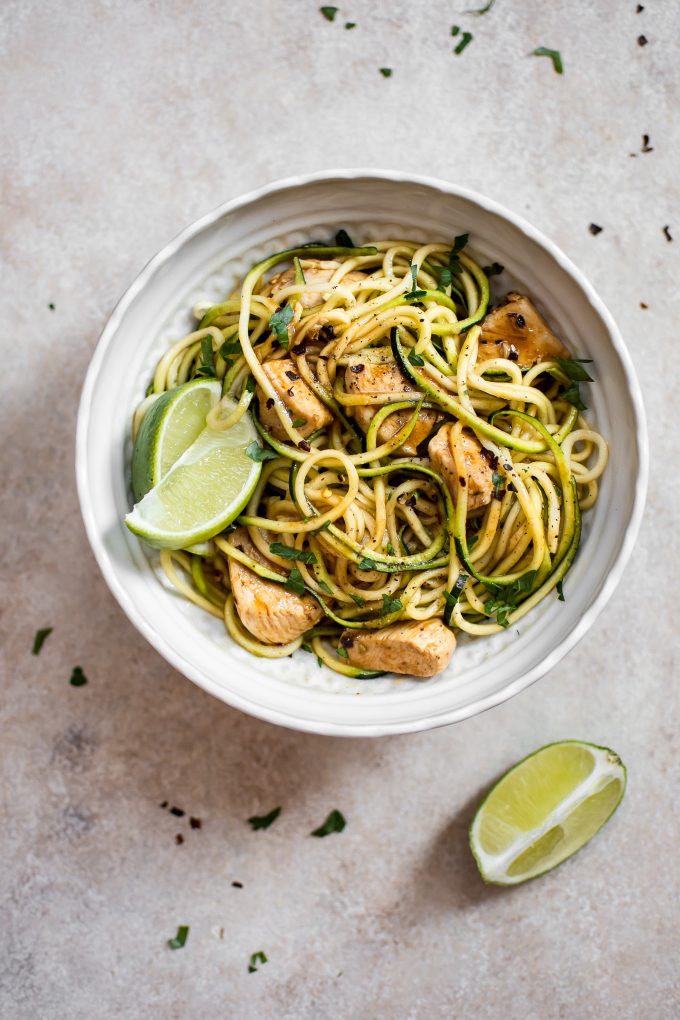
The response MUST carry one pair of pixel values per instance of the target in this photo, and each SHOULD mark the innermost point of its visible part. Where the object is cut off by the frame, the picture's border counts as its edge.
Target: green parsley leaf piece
(179, 941)
(329, 12)
(51, 306)
(40, 638)
(262, 957)
(260, 453)
(498, 481)
(206, 368)
(366, 564)
(495, 269)
(458, 245)
(78, 678)
(306, 647)
(560, 591)
(295, 582)
(415, 295)
(251, 384)
(319, 662)
(574, 370)
(230, 347)
(342, 652)
(324, 587)
(360, 601)
(465, 39)
(279, 324)
(455, 29)
(386, 72)
(482, 10)
(350, 24)
(343, 240)
(285, 551)
(334, 823)
(299, 423)
(257, 822)
(505, 598)
(555, 56)
(416, 359)
(391, 605)
(572, 395)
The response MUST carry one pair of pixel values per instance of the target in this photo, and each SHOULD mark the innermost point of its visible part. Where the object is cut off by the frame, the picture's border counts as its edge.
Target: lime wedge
(168, 428)
(544, 809)
(202, 492)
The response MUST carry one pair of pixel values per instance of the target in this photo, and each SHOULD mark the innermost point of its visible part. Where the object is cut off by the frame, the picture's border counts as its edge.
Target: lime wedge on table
(202, 492)
(544, 809)
(168, 428)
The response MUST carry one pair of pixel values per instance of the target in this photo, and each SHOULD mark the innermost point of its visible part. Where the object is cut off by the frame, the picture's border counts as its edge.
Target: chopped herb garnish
(51, 306)
(642, 40)
(646, 147)
(230, 347)
(639, 9)
(342, 652)
(40, 638)
(319, 662)
(334, 823)
(325, 587)
(416, 359)
(350, 24)
(498, 482)
(573, 368)
(251, 384)
(595, 229)
(386, 72)
(262, 957)
(295, 582)
(343, 240)
(451, 597)
(285, 551)
(329, 12)
(260, 453)
(78, 678)
(560, 591)
(458, 245)
(495, 269)
(455, 29)
(180, 938)
(482, 10)
(555, 56)
(299, 423)
(391, 605)
(572, 395)
(206, 367)
(360, 601)
(667, 232)
(506, 598)
(366, 564)
(279, 324)
(465, 39)
(264, 821)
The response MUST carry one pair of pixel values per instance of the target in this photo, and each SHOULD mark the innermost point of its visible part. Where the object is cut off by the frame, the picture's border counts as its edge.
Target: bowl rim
(277, 716)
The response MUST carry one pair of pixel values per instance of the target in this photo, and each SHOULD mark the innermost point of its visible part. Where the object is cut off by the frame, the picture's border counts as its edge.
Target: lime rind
(564, 830)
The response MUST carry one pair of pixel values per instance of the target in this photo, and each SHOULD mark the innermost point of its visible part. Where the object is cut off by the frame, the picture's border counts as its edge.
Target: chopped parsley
(465, 39)
(342, 652)
(295, 582)
(51, 306)
(391, 605)
(299, 423)
(329, 12)
(573, 368)
(179, 941)
(78, 678)
(498, 482)
(560, 591)
(386, 72)
(260, 453)
(455, 29)
(257, 822)
(350, 24)
(360, 601)
(495, 269)
(343, 240)
(230, 347)
(285, 551)
(366, 564)
(458, 245)
(334, 823)
(40, 638)
(262, 957)
(572, 395)
(325, 587)
(555, 56)
(416, 359)
(505, 598)
(206, 368)
(279, 324)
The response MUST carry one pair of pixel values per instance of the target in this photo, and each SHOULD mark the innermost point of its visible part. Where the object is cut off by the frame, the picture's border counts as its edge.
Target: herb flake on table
(179, 941)
(350, 24)
(554, 55)
(595, 229)
(329, 12)
(667, 232)
(40, 638)
(259, 453)
(257, 822)
(335, 822)
(78, 678)
(237, 885)
(256, 958)
(482, 10)
(195, 823)
(465, 40)
(642, 40)
(51, 306)
(646, 147)
(386, 72)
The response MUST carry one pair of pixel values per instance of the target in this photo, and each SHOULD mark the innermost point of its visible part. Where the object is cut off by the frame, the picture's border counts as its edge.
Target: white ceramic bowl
(203, 262)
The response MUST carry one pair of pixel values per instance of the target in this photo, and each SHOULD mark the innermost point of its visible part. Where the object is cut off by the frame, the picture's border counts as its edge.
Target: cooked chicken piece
(300, 400)
(316, 271)
(418, 648)
(515, 330)
(363, 377)
(269, 611)
(479, 479)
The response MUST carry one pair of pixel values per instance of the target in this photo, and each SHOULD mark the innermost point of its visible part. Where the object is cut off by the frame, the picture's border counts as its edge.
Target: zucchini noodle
(430, 475)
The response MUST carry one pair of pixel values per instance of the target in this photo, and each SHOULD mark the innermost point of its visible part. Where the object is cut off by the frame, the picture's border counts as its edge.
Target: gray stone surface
(122, 122)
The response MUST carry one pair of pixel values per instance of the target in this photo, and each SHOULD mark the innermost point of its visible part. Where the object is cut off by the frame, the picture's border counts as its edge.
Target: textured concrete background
(122, 123)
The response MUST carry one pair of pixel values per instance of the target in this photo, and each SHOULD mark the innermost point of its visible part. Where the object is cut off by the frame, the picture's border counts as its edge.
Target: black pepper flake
(164, 804)
(237, 885)
(513, 353)
(643, 305)
(346, 640)
(195, 823)
(304, 445)
(327, 332)
(411, 501)
(177, 812)
(357, 368)
(270, 403)
(179, 838)
(511, 487)
(462, 482)
(646, 147)
(642, 40)
(489, 457)
(293, 376)
(667, 233)
(595, 229)
(300, 348)
(639, 9)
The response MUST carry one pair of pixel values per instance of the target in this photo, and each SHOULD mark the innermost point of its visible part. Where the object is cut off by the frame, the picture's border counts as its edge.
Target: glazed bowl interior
(204, 263)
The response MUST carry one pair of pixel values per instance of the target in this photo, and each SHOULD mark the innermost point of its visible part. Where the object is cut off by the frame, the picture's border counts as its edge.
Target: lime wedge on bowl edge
(544, 809)
(202, 492)
(168, 428)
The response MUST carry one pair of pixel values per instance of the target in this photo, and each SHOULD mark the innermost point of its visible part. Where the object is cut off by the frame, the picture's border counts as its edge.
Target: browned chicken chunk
(363, 377)
(418, 648)
(479, 477)
(316, 271)
(300, 400)
(515, 330)
(269, 611)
